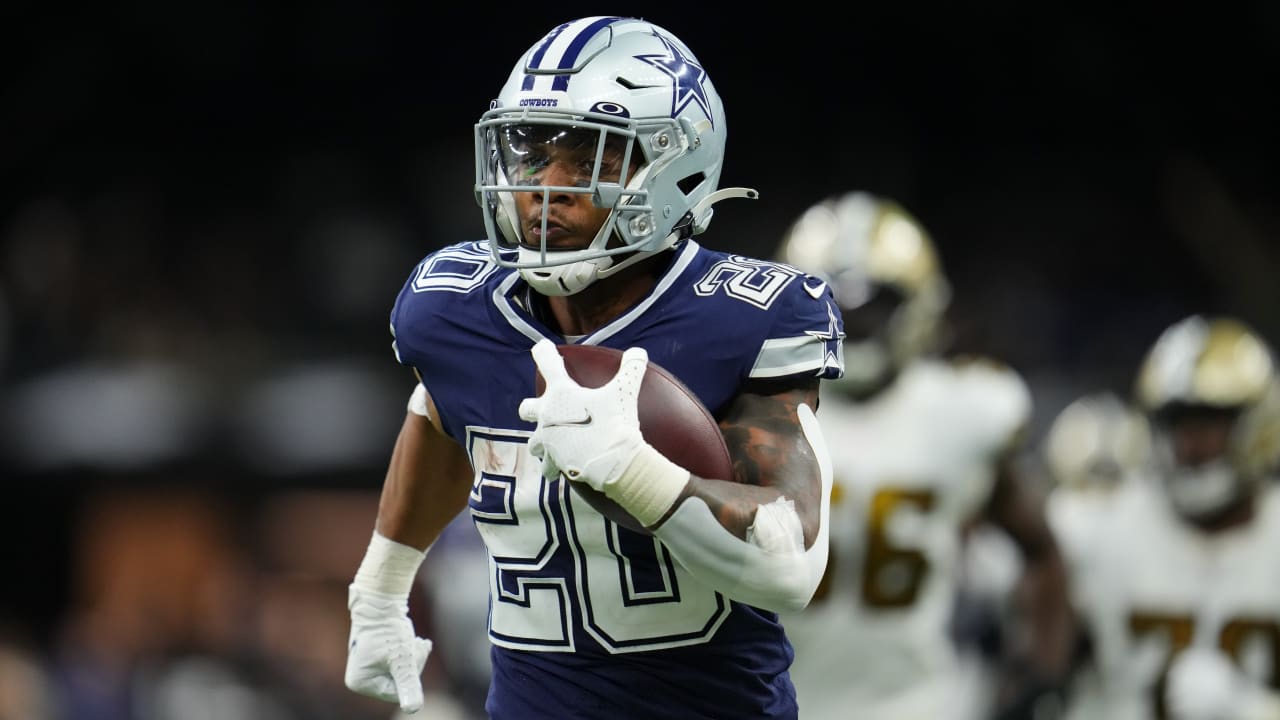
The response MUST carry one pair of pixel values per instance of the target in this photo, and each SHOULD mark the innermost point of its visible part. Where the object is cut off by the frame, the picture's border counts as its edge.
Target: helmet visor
(562, 157)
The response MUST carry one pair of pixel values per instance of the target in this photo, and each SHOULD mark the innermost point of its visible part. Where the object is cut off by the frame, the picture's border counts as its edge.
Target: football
(672, 419)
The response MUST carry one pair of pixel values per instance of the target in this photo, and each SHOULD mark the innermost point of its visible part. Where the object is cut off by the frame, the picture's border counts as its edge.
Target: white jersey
(1074, 516)
(912, 467)
(1149, 585)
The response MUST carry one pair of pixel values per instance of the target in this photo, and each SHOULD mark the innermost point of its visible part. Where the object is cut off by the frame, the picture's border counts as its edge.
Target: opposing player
(1094, 445)
(1179, 585)
(596, 166)
(921, 450)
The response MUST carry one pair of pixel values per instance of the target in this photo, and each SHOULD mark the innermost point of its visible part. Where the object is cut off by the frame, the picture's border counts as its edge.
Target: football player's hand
(384, 658)
(1204, 684)
(589, 434)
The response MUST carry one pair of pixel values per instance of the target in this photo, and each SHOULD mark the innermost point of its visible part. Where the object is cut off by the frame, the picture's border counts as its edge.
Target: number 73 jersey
(1148, 586)
(912, 467)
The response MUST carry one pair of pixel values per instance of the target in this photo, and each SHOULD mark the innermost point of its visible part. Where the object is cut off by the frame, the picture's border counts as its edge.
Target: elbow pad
(771, 569)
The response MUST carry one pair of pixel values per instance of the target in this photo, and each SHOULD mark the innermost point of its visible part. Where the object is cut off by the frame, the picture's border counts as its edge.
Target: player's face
(868, 312)
(1199, 435)
(557, 161)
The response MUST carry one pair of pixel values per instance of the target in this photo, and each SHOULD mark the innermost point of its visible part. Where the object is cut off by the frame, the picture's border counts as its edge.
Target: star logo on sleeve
(687, 75)
(833, 340)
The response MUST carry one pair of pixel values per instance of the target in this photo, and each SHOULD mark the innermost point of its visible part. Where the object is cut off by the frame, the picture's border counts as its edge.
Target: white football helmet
(612, 82)
(1095, 442)
(884, 272)
(1212, 364)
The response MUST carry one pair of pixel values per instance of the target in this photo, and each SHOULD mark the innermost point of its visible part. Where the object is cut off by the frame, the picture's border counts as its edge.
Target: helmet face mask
(872, 313)
(1193, 446)
(639, 110)
(596, 162)
(873, 316)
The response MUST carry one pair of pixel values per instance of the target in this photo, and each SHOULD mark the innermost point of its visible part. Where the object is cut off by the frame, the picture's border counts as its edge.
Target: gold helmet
(1094, 442)
(1212, 366)
(883, 269)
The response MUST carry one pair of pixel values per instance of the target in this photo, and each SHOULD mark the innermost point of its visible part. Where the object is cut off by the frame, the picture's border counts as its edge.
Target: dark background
(207, 208)
(1099, 162)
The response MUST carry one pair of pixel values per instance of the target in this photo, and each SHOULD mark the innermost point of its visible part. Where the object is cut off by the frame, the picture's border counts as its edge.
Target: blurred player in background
(1093, 446)
(596, 166)
(1178, 580)
(1095, 443)
(922, 449)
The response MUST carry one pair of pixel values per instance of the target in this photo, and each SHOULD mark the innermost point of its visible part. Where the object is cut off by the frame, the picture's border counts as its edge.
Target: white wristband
(388, 567)
(649, 486)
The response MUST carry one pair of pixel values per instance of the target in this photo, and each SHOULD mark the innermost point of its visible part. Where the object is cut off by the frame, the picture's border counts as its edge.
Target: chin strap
(702, 211)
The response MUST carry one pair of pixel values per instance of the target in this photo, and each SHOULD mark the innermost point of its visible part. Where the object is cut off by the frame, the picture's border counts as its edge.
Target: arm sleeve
(771, 569)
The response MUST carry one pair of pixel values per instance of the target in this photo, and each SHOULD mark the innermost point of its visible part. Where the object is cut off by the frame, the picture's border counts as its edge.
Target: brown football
(672, 419)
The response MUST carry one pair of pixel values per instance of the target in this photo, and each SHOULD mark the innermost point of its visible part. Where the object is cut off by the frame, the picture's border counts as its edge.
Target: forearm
(1049, 614)
(1043, 594)
(778, 452)
(771, 570)
(754, 546)
(733, 504)
(427, 484)
(1039, 663)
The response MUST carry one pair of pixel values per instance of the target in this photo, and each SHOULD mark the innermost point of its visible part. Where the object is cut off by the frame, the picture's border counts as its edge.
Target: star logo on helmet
(688, 76)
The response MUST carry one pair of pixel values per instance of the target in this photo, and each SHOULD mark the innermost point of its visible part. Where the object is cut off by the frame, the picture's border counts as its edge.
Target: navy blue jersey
(588, 619)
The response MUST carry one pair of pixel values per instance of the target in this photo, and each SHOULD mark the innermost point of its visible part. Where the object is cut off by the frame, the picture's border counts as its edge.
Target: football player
(1178, 582)
(922, 450)
(1093, 445)
(596, 166)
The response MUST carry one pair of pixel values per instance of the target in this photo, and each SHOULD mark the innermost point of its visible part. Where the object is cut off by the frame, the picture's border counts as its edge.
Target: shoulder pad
(997, 397)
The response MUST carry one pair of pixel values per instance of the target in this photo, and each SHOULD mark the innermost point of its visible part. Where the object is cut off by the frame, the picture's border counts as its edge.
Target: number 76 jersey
(912, 467)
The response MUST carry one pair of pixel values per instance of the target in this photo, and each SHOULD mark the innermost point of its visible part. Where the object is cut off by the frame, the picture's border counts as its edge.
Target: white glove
(384, 658)
(589, 434)
(593, 436)
(1204, 684)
